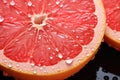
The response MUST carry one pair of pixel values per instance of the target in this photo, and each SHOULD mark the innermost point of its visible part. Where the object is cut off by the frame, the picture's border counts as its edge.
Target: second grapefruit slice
(112, 34)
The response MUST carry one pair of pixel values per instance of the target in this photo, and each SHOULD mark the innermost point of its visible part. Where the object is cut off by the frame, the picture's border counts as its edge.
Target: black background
(107, 58)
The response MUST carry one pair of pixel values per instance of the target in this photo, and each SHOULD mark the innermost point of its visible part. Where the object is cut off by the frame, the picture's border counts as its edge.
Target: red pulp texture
(112, 8)
(70, 25)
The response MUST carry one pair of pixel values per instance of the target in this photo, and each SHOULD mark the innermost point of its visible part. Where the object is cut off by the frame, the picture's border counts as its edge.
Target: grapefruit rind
(61, 70)
(112, 37)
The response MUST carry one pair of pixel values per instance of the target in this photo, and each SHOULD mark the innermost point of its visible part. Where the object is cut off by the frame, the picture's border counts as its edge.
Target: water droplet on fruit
(34, 71)
(77, 37)
(4, 1)
(29, 3)
(60, 56)
(57, 2)
(69, 61)
(39, 37)
(44, 71)
(17, 65)
(32, 64)
(61, 5)
(51, 57)
(93, 49)
(1, 19)
(5, 61)
(10, 65)
(88, 54)
(49, 48)
(57, 50)
(29, 15)
(73, 0)
(119, 39)
(12, 3)
(41, 68)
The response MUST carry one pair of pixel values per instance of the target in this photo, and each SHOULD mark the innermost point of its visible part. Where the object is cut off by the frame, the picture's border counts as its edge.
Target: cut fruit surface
(112, 34)
(49, 39)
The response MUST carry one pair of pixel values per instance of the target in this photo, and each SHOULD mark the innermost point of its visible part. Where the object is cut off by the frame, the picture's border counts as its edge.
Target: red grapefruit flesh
(49, 39)
(112, 34)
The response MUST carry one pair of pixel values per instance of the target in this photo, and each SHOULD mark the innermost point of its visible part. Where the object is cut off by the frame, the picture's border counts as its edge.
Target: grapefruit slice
(49, 39)
(112, 34)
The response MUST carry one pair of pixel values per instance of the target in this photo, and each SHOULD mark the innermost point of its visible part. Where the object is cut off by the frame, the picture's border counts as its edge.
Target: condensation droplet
(4, 1)
(51, 57)
(49, 48)
(51, 18)
(29, 15)
(93, 49)
(39, 37)
(1, 19)
(12, 3)
(77, 36)
(41, 68)
(79, 60)
(10, 65)
(5, 61)
(57, 50)
(17, 65)
(61, 5)
(69, 61)
(60, 56)
(32, 64)
(29, 3)
(34, 71)
(76, 45)
(44, 71)
(88, 54)
(57, 2)
(73, 0)
(119, 39)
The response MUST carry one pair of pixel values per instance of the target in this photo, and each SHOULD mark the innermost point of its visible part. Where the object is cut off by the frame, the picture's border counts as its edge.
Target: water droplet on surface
(93, 49)
(4, 1)
(73, 0)
(41, 68)
(57, 2)
(61, 5)
(57, 50)
(34, 71)
(119, 39)
(49, 48)
(1, 19)
(60, 56)
(44, 71)
(5, 61)
(17, 65)
(69, 61)
(10, 65)
(12, 3)
(88, 54)
(29, 15)
(51, 57)
(29, 3)
(32, 64)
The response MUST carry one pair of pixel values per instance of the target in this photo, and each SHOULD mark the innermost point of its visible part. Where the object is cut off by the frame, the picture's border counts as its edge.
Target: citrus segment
(52, 39)
(112, 35)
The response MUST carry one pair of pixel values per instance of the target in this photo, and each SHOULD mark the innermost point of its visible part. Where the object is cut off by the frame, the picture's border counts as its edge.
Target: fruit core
(39, 20)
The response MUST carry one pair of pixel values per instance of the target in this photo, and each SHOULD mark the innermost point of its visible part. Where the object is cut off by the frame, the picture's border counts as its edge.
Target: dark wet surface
(105, 66)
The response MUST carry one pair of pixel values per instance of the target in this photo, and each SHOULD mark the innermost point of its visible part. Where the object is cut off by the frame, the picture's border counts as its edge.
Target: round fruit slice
(49, 39)
(112, 34)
